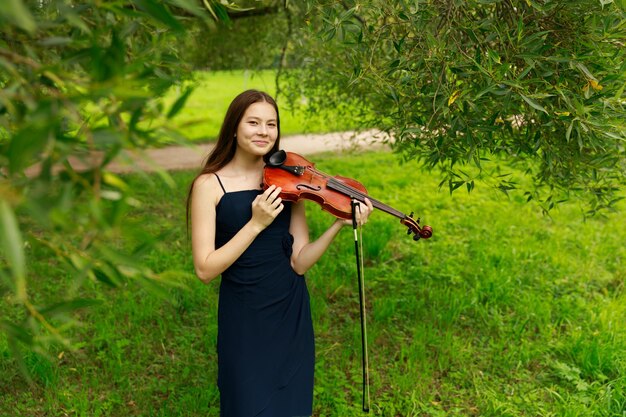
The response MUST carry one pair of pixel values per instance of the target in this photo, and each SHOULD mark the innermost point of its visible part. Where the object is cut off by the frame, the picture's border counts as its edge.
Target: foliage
(459, 82)
(503, 312)
(248, 41)
(79, 81)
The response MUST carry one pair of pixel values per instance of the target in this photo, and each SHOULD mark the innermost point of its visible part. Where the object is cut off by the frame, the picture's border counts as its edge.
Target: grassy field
(504, 312)
(213, 91)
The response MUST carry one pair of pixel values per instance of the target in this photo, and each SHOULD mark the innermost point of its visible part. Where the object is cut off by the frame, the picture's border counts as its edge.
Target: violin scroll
(419, 232)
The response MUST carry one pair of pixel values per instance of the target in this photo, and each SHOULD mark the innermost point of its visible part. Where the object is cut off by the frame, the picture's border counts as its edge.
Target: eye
(253, 122)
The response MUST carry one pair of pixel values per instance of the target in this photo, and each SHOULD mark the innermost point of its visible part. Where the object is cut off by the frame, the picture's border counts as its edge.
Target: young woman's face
(258, 129)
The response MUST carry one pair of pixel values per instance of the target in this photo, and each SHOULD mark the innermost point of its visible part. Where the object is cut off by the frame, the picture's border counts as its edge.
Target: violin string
(353, 192)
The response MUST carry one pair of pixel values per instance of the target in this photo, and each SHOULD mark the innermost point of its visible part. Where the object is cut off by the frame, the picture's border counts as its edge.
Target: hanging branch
(283, 52)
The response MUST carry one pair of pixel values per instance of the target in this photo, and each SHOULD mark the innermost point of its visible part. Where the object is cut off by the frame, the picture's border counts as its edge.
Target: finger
(269, 191)
(369, 208)
(359, 217)
(274, 194)
(270, 197)
(278, 209)
(277, 202)
(364, 214)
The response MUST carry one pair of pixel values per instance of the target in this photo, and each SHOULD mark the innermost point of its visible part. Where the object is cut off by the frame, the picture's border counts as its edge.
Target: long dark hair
(224, 150)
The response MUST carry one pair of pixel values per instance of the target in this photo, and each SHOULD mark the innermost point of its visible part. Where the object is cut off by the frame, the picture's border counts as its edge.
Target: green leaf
(56, 41)
(25, 144)
(68, 306)
(568, 133)
(585, 71)
(17, 13)
(159, 12)
(73, 18)
(191, 6)
(453, 185)
(494, 56)
(520, 29)
(13, 248)
(180, 103)
(533, 104)
(16, 332)
(105, 136)
(222, 12)
(486, 90)
(107, 275)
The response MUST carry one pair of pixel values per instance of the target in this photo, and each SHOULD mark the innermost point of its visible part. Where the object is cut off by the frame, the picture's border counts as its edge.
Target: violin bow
(358, 249)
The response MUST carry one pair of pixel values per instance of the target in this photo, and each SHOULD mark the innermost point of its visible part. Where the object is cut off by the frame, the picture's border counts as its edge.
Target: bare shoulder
(207, 188)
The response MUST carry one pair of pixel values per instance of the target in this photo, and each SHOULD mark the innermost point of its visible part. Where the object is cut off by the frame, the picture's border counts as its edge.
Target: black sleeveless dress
(265, 339)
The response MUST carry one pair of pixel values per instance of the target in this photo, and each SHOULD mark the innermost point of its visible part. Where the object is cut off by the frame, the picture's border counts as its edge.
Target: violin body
(311, 186)
(300, 180)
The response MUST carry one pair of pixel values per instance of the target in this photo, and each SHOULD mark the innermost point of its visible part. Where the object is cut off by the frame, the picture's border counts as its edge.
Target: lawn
(504, 312)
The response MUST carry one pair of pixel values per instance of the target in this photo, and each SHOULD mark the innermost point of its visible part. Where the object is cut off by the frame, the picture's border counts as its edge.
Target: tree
(538, 83)
(80, 79)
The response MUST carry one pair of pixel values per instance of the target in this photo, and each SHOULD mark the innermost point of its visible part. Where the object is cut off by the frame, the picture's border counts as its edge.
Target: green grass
(202, 116)
(504, 312)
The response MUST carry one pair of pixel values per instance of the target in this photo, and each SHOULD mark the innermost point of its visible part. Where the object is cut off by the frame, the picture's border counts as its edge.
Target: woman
(260, 246)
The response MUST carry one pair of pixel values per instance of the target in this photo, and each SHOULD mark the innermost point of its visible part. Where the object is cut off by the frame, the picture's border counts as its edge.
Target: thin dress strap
(220, 181)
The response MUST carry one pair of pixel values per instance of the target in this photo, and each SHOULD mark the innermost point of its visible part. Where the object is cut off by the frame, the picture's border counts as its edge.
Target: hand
(363, 212)
(266, 207)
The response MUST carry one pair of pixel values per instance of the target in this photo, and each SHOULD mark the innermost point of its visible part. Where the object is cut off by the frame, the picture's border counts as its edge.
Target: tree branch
(283, 52)
(263, 11)
(356, 16)
(19, 59)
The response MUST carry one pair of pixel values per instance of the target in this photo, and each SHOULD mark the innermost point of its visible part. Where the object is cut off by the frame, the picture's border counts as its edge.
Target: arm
(208, 261)
(306, 253)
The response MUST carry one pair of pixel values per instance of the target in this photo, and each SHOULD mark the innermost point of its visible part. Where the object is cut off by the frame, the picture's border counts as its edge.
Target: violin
(300, 180)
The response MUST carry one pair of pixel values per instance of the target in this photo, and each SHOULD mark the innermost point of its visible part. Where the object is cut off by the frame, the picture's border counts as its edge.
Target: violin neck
(360, 196)
(387, 209)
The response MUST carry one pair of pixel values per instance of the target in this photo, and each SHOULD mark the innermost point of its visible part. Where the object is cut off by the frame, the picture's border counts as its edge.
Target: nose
(263, 129)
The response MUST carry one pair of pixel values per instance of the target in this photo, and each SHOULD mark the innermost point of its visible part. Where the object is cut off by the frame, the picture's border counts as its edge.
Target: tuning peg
(416, 237)
(408, 232)
(411, 215)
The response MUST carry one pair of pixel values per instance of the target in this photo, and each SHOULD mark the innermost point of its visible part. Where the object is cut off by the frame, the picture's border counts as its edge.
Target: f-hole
(301, 186)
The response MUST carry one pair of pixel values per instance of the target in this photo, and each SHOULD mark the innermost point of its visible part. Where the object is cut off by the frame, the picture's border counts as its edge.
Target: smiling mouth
(260, 142)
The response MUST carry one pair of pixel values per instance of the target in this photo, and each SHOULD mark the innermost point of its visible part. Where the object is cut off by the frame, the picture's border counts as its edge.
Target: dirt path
(182, 157)
(192, 157)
